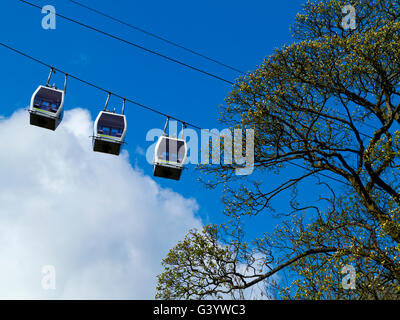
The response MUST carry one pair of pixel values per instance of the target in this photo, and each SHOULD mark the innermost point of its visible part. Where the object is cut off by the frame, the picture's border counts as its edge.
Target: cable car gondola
(47, 105)
(169, 156)
(109, 131)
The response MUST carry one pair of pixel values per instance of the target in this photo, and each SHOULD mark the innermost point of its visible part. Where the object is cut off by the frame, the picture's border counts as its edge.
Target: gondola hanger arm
(65, 83)
(123, 105)
(166, 125)
(183, 129)
(108, 99)
(52, 70)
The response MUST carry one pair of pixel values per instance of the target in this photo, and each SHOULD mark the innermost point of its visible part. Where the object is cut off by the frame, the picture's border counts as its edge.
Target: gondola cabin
(47, 107)
(169, 157)
(109, 132)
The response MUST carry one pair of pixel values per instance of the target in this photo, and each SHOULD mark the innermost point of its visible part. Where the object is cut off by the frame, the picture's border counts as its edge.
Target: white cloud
(103, 225)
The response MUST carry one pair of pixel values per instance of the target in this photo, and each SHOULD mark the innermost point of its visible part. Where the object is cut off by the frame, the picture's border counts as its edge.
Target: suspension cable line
(151, 34)
(134, 45)
(185, 123)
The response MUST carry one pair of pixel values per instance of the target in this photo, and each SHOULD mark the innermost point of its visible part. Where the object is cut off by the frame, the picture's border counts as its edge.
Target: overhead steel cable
(156, 53)
(134, 44)
(151, 34)
(96, 86)
(140, 104)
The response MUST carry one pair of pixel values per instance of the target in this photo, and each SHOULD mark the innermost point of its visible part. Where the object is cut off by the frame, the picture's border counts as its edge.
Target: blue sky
(237, 33)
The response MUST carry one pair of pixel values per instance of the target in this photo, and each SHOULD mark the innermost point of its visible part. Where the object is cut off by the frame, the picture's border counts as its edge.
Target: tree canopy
(328, 103)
